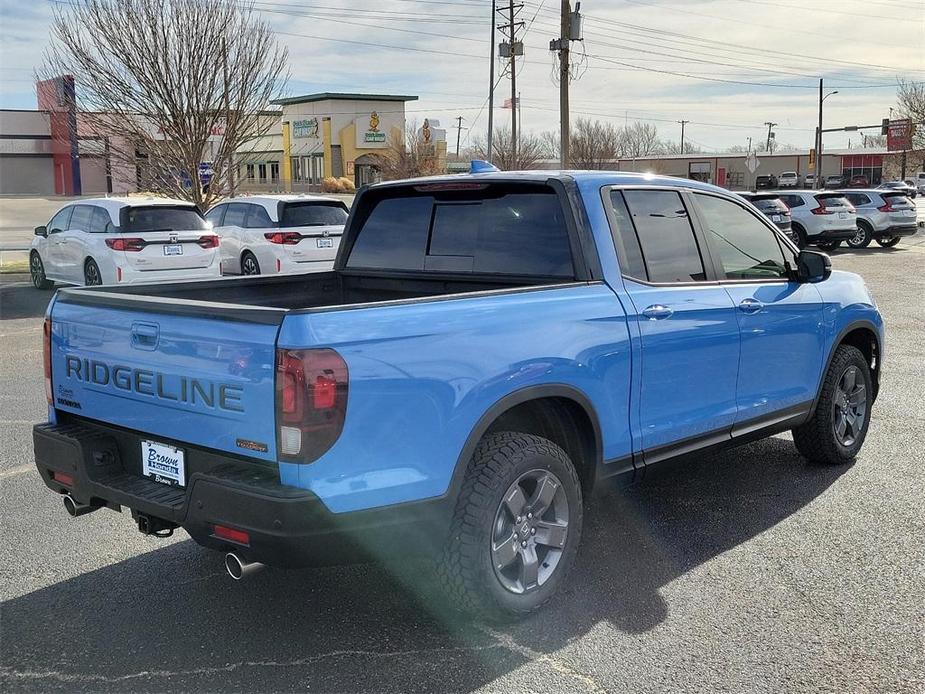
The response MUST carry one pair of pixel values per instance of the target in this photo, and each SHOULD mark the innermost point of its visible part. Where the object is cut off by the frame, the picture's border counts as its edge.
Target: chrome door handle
(657, 312)
(750, 305)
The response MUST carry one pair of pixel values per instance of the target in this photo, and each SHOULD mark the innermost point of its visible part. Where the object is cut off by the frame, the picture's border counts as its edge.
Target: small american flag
(511, 103)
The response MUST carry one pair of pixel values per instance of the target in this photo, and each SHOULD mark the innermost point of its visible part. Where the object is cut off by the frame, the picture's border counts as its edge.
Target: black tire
(863, 237)
(92, 275)
(469, 568)
(828, 245)
(37, 272)
(890, 242)
(800, 233)
(249, 264)
(818, 439)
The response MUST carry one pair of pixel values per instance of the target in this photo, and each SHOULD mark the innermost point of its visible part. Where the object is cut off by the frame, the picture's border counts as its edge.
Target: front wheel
(890, 242)
(516, 527)
(37, 272)
(92, 275)
(838, 427)
(862, 237)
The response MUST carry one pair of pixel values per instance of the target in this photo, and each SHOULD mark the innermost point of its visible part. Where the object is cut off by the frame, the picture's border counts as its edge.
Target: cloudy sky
(727, 66)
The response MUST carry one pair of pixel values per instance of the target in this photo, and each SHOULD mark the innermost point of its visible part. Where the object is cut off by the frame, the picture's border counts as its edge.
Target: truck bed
(281, 293)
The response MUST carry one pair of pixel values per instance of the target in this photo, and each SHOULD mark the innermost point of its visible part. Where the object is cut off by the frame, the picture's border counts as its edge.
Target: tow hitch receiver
(151, 525)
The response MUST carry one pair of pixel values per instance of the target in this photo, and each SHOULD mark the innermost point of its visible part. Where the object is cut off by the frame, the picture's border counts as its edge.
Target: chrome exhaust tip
(75, 508)
(238, 568)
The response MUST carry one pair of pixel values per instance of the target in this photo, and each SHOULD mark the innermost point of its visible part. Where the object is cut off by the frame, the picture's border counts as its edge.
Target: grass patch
(8, 267)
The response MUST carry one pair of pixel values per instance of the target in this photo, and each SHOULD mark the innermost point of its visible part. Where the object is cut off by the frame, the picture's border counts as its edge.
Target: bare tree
(911, 102)
(640, 140)
(165, 80)
(530, 150)
(409, 156)
(593, 144)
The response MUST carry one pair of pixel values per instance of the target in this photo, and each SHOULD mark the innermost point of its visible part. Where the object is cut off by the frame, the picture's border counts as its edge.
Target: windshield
(313, 214)
(162, 218)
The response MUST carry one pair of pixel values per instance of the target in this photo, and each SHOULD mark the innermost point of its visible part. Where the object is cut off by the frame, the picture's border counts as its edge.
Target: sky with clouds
(727, 66)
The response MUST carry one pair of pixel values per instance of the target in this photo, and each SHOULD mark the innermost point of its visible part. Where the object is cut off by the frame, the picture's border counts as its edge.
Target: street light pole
(818, 180)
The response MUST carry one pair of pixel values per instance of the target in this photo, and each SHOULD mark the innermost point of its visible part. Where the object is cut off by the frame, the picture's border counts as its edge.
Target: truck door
(780, 319)
(689, 337)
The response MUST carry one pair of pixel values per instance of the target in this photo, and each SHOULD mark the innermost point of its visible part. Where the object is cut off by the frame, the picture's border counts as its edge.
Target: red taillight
(131, 244)
(888, 207)
(63, 478)
(208, 241)
(239, 536)
(311, 402)
(822, 209)
(46, 359)
(286, 238)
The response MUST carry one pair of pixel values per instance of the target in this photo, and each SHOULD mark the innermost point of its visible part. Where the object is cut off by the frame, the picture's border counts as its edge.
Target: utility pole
(770, 125)
(459, 129)
(565, 31)
(511, 49)
(683, 123)
(749, 145)
(818, 177)
(491, 84)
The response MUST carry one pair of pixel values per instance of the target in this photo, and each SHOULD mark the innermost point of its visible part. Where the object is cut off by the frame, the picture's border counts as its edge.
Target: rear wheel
(249, 264)
(863, 237)
(800, 233)
(92, 276)
(516, 527)
(890, 242)
(37, 271)
(838, 427)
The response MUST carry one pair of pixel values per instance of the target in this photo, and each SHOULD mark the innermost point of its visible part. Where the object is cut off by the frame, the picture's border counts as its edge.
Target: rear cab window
(497, 228)
(161, 218)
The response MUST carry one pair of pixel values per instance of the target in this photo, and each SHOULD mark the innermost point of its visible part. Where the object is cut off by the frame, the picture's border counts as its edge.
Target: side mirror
(813, 266)
(41, 231)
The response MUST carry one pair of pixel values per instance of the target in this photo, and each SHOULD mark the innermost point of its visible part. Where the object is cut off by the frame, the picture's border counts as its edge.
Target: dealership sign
(899, 134)
(373, 134)
(305, 128)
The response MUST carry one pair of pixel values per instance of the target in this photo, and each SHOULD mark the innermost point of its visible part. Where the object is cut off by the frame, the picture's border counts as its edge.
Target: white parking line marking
(18, 470)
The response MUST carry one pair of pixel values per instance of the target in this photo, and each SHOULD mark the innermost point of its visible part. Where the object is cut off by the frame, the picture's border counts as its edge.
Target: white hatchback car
(269, 234)
(124, 240)
(788, 179)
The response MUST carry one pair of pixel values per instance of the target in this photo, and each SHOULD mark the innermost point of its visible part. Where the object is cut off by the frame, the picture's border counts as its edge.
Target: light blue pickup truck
(488, 350)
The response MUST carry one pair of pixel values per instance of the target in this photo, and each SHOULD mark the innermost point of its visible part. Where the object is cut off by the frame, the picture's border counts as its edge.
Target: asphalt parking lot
(745, 571)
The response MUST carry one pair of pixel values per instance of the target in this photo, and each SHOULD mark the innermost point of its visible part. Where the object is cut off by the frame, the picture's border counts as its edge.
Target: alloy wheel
(92, 275)
(36, 270)
(529, 532)
(849, 406)
(249, 266)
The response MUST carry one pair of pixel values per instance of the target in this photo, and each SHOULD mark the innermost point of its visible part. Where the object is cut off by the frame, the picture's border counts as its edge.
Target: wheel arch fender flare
(512, 400)
(857, 324)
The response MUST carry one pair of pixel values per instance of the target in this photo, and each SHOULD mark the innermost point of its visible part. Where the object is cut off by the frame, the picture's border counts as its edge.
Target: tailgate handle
(145, 335)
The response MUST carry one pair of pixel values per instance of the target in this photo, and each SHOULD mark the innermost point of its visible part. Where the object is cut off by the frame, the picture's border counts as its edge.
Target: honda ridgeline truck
(488, 350)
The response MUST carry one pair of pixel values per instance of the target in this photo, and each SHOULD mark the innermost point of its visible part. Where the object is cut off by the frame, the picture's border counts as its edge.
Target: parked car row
(132, 240)
(791, 179)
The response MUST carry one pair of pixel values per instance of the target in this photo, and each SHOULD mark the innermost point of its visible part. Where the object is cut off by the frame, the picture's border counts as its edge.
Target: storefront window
(262, 172)
(296, 164)
(274, 172)
(250, 172)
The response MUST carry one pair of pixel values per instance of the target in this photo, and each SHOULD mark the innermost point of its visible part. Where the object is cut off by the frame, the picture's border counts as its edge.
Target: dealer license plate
(173, 249)
(843, 215)
(775, 217)
(163, 463)
(325, 243)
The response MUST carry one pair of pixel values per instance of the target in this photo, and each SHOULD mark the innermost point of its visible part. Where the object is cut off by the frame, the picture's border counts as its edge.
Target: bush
(331, 185)
(347, 185)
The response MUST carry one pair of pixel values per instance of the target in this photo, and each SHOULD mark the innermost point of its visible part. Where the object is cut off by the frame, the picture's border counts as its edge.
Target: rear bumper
(131, 275)
(896, 230)
(287, 526)
(834, 234)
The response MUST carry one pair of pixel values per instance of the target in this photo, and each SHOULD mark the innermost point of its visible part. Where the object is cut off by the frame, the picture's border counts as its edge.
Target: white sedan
(270, 234)
(123, 241)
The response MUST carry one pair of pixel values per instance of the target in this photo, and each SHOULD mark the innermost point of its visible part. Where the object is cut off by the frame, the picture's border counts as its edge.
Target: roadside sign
(812, 159)
(899, 134)
(751, 162)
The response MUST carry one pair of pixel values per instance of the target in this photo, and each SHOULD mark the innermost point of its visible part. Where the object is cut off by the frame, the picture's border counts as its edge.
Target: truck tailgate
(204, 380)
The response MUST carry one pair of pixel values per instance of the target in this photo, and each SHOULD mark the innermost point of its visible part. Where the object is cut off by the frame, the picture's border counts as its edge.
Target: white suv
(123, 240)
(269, 234)
(823, 218)
(883, 215)
(788, 179)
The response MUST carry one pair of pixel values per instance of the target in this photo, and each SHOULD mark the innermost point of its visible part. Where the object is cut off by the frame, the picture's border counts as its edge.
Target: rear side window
(257, 217)
(625, 238)
(517, 233)
(747, 248)
(100, 221)
(80, 219)
(162, 218)
(313, 214)
(666, 237)
(235, 214)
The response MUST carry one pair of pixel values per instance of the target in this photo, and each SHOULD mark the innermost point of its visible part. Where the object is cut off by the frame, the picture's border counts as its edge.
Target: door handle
(750, 305)
(657, 312)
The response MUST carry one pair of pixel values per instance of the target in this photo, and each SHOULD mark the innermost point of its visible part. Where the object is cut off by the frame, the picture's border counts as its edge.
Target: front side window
(666, 237)
(61, 221)
(747, 248)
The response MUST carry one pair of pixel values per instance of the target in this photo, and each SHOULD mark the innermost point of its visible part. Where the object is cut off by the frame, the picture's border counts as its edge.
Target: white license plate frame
(163, 463)
(171, 249)
(324, 243)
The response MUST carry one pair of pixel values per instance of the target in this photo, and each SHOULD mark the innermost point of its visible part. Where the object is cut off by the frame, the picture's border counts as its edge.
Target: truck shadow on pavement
(171, 619)
(19, 299)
